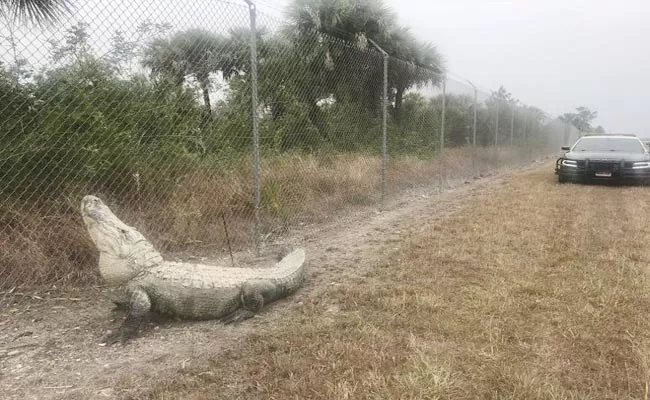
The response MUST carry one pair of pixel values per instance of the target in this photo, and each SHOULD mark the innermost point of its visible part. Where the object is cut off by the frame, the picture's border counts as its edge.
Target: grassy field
(537, 291)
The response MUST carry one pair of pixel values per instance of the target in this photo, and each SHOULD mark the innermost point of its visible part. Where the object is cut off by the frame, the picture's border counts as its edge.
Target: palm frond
(38, 11)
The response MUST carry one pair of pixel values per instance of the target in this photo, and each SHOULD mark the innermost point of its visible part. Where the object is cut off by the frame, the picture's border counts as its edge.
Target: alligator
(191, 291)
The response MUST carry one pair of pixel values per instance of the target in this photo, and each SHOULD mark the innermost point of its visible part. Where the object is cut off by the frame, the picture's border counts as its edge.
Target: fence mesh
(148, 106)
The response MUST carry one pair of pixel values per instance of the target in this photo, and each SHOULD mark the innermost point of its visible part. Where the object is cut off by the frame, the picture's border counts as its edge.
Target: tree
(198, 53)
(357, 75)
(75, 47)
(581, 119)
(499, 102)
(192, 53)
(412, 63)
(34, 10)
(74, 53)
(599, 129)
(317, 30)
(458, 117)
(126, 48)
(349, 20)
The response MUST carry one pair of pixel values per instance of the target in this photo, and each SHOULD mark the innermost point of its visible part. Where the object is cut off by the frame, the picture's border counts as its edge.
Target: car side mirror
(566, 148)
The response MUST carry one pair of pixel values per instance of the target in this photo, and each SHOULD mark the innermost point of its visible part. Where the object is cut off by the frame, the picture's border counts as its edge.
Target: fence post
(256, 133)
(384, 123)
(523, 130)
(442, 175)
(567, 132)
(474, 129)
(526, 144)
(384, 132)
(496, 128)
(442, 121)
(512, 123)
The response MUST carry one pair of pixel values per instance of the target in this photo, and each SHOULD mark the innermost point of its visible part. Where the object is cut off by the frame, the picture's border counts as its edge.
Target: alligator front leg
(254, 294)
(139, 306)
(121, 305)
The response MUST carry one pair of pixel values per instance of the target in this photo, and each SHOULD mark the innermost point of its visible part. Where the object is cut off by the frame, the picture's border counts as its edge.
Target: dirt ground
(49, 341)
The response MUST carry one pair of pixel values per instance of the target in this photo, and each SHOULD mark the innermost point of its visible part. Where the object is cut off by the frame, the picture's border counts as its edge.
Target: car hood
(609, 156)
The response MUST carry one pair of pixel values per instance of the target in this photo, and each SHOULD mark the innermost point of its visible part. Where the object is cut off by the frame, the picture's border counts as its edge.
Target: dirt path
(49, 345)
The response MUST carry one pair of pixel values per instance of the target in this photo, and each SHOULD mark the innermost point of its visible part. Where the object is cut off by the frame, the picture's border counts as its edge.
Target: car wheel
(562, 179)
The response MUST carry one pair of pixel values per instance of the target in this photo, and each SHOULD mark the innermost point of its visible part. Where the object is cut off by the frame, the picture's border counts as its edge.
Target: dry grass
(536, 291)
(455, 165)
(43, 247)
(42, 243)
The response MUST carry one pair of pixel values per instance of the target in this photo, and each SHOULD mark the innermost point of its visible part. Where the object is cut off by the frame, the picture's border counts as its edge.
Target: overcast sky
(554, 54)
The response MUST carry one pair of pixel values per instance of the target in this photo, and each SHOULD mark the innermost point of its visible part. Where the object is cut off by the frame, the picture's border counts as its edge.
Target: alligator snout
(90, 202)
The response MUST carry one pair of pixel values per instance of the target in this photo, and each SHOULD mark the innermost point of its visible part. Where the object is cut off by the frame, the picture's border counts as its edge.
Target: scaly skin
(182, 290)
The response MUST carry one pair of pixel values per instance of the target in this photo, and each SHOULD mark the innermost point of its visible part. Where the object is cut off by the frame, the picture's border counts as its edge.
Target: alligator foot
(111, 338)
(127, 331)
(237, 316)
(121, 305)
(252, 299)
(139, 305)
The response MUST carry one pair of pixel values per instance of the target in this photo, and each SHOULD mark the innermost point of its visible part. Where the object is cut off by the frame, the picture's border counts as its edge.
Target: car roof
(610, 136)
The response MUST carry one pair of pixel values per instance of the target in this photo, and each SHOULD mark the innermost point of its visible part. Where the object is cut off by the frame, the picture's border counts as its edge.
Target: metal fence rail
(185, 117)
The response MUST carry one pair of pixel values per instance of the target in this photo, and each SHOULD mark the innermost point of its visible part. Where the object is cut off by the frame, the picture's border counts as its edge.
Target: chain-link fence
(185, 123)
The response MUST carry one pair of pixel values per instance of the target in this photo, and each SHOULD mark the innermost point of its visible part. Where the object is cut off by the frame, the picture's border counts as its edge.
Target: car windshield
(609, 144)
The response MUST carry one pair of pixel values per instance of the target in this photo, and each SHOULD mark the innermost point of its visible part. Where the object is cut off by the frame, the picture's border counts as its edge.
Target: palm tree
(198, 53)
(412, 62)
(351, 73)
(343, 19)
(193, 53)
(34, 10)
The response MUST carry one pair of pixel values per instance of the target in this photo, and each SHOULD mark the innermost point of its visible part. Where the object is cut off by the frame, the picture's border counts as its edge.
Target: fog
(554, 54)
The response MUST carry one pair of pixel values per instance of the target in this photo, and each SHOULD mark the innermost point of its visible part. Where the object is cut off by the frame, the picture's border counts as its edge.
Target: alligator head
(123, 251)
